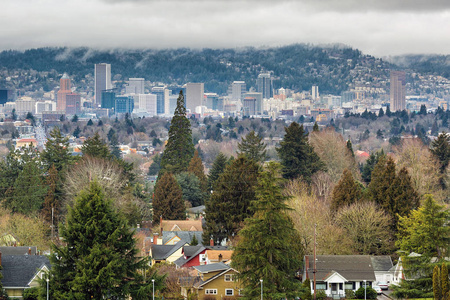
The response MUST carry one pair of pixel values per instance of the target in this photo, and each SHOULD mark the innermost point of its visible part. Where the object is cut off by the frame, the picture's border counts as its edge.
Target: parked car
(383, 285)
(377, 289)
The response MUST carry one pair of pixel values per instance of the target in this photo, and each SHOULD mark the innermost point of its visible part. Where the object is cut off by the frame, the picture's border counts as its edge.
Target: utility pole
(314, 266)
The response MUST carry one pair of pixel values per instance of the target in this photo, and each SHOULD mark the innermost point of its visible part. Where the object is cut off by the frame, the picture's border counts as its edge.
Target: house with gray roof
(21, 272)
(383, 268)
(173, 237)
(169, 253)
(337, 273)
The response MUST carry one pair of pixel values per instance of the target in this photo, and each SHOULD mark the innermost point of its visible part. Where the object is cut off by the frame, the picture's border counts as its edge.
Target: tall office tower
(135, 86)
(102, 81)
(194, 95)
(73, 104)
(398, 90)
(25, 105)
(237, 90)
(148, 104)
(6, 95)
(249, 106)
(108, 99)
(162, 96)
(264, 85)
(258, 101)
(315, 92)
(124, 104)
(213, 101)
(64, 89)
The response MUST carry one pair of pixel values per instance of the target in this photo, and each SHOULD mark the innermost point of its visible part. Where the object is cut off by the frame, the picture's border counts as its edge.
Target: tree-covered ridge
(296, 67)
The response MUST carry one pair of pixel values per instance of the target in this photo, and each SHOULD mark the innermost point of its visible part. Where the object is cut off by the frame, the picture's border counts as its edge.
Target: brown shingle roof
(181, 225)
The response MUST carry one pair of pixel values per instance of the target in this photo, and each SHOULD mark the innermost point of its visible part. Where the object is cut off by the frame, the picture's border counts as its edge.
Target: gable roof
(381, 263)
(19, 270)
(212, 267)
(213, 255)
(351, 267)
(187, 236)
(22, 250)
(161, 252)
(181, 225)
(189, 252)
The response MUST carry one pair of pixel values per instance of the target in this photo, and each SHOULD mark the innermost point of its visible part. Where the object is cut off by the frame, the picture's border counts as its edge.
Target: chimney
(160, 224)
(220, 257)
(155, 239)
(29, 250)
(211, 242)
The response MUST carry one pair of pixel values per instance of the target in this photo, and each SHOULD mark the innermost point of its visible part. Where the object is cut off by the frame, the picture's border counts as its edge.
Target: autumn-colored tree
(168, 200)
(346, 192)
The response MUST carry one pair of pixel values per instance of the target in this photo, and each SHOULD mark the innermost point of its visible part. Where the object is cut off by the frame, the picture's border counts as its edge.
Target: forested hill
(432, 64)
(297, 67)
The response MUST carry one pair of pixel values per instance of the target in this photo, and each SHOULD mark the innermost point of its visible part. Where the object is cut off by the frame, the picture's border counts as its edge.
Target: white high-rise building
(135, 86)
(148, 104)
(194, 95)
(237, 90)
(102, 81)
(315, 92)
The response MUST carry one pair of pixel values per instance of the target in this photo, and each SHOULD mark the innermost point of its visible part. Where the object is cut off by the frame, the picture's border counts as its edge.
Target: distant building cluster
(259, 99)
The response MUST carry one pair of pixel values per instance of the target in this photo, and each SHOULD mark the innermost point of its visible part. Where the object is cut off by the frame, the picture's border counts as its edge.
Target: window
(229, 292)
(228, 277)
(211, 292)
(349, 285)
(321, 286)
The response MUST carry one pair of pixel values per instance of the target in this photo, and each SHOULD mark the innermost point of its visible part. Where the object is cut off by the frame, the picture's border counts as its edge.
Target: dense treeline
(296, 67)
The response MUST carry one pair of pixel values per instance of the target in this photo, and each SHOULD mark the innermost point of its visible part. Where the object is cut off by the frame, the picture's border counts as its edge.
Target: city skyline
(380, 28)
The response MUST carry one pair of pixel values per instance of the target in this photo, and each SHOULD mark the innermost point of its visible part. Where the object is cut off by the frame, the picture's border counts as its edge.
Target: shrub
(349, 294)
(320, 295)
(370, 293)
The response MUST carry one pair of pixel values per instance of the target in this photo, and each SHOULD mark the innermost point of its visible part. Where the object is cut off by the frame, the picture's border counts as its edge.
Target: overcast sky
(377, 27)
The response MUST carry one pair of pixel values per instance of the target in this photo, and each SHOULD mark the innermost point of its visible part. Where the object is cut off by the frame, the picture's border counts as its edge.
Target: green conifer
(297, 155)
(168, 200)
(196, 167)
(219, 164)
(437, 283)
(179, 149)
(346, 192)
(265, 244)
(253, 147)
(96, 147)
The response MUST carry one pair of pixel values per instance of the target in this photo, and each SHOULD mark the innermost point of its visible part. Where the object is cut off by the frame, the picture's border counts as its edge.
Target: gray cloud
(207, 23)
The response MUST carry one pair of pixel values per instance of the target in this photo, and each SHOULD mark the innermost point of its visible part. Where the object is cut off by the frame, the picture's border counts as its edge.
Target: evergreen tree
(110, 134)
(297, 155)
(196, 167)
(14, 115)
(350, 147)
(366, 172)
(381, 113)
(441, 150)
(194, 241)
(346, 192)
(98, 259)
(75, 118)
(179, 149)
(316, 127)
(381, 180)
(51, 205)
(266, 245)
(76, 132)
(388, 111)
(437, 292)
(155, 166)
(57, 152)
(90, 123)
(230, 203)
(168, 199)
(445, 282)
(253, 147)
(434, 128)
(423, 110)
(96, 147)
(190, 187)
(219, 164)
(402, 198)
(100, 123)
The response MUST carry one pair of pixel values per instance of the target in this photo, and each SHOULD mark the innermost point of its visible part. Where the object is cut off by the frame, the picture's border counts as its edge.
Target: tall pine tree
(196, 167)
(179, 149)
(219, 164)
(265, 249)
(253, 147)
(98, 259)
(230, 203)
(168, 200)
(297, 155)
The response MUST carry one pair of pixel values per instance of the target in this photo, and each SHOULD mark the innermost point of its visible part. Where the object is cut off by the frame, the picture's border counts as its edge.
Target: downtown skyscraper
(102, 81)
(398, 91)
